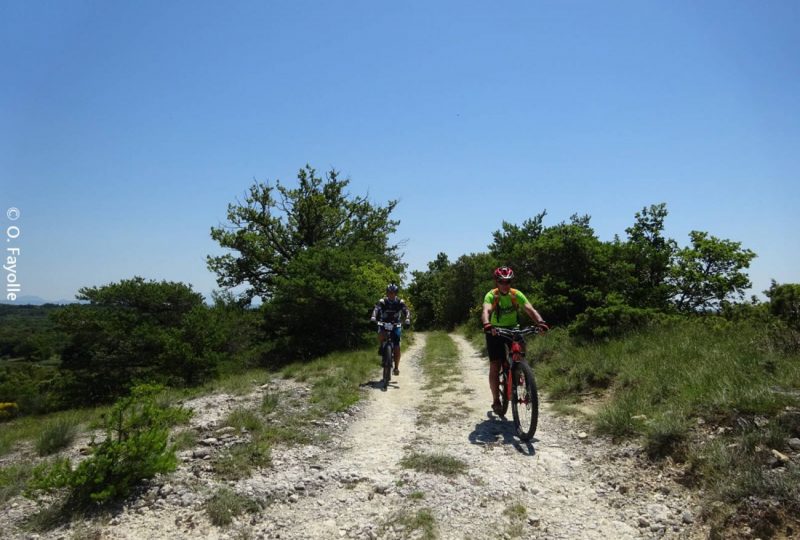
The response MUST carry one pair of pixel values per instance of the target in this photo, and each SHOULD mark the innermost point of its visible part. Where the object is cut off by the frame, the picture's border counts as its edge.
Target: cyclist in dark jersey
(501, 309)
(390, 308)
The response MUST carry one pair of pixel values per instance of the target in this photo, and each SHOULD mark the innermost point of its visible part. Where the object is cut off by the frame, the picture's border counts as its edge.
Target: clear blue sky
(127, 127)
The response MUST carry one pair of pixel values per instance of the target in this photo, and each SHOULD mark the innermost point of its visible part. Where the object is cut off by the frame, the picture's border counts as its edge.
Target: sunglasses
(503, 282)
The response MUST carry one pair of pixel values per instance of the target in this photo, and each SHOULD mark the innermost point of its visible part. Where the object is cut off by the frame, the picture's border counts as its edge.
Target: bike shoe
(396, 371)
(497, 409)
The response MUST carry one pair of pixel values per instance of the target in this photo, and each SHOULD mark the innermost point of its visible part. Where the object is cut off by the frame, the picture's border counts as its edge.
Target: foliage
(709, 272)
(324, 303)
(784, 302)
(613, 320)
(135, 449)
(570, 275)
(447, 293)
(648, 255)
(276, 224)
(29, 333)
(56, 435)
(703, 367)
(14, 479)
(33, 387)
(226, 504)
(8, 411)
(434, 463)
(137, 330)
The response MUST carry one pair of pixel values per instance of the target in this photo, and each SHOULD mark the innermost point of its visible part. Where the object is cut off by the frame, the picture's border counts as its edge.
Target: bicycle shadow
(496, 430)
(378, 385)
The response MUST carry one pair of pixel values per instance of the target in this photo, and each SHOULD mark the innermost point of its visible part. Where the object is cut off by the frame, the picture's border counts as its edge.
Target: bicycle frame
(516, 351)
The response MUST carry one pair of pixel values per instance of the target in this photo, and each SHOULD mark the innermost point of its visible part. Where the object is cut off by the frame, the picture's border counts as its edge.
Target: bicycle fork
(516, 356)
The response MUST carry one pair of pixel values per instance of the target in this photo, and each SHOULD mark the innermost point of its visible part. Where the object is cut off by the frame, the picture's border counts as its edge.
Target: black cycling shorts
(496, 346)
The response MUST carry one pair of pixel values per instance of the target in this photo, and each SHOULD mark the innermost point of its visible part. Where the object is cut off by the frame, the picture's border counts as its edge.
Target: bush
(784, 302)
(135, 449)
(8, 411)
(57, 434)
(612, 321)
(225, 505)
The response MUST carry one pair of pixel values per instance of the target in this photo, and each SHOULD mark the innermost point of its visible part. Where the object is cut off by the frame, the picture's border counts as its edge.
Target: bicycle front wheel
(524, 400)
(503, 392)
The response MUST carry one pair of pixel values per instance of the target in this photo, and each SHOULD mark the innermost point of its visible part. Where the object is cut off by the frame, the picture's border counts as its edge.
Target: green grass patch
(516, 513)
(14, 480)
(692, 368)
(420, 524)
(225, 505)
(244, 419)
(440, 364)
(434, 463)
(31, 428)
(57, 434)
(716, 394)
(336, 378)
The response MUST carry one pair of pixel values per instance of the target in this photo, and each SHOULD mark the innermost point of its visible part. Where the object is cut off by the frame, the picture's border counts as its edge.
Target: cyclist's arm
(406, 312)
(376, 311)
(532, 313)
(485, 316)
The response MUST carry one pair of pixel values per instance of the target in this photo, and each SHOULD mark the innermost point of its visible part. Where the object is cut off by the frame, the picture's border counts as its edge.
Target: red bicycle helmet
(504, 273)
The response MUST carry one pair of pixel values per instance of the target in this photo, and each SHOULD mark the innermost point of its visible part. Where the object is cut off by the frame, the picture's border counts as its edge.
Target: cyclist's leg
(496, 348)
(396, 338)
(381, 337)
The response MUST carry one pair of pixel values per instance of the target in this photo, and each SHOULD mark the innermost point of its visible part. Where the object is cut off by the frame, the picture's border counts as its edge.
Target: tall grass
(661, 377)
(336, 378)
(718, 395)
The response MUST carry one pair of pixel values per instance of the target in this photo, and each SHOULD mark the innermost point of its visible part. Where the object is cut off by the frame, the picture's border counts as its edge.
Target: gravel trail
(350, 483)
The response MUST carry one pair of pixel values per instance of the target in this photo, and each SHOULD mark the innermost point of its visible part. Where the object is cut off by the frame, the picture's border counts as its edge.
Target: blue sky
(127, 128)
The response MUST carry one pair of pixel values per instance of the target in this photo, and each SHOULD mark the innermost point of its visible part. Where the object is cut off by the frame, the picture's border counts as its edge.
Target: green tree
(649, 255)
(709, 272)
(784, 302)
(427, 292)
(135, 330)
(323, 303)
(276, 224)
(570, 270)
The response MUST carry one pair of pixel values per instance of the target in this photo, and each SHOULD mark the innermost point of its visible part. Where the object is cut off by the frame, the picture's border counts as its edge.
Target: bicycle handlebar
(514, 332)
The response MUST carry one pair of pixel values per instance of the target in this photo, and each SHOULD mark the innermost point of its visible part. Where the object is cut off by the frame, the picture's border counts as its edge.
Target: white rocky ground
(351, 484)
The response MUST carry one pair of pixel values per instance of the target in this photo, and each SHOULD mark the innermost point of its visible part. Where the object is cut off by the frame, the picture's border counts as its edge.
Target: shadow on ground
(378, 385)
(496, 431)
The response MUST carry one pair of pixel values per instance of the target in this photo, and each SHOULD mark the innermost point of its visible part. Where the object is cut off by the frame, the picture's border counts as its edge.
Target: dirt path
(560, 486)
(564, 485)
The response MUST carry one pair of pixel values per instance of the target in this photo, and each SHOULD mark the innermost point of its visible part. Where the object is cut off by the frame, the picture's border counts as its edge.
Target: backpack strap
(496, 301)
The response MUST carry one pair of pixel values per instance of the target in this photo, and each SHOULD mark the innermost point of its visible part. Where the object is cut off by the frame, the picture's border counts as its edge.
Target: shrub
(8, 411)
(611, 321)
(225, 505)
(57, 434)
(135, 449)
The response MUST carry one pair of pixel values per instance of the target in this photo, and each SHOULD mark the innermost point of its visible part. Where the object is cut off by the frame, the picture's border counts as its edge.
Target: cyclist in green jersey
(501, 309)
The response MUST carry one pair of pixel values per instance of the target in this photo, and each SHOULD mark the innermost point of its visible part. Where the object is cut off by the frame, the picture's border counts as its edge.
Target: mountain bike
(387, 350)
(517, 383)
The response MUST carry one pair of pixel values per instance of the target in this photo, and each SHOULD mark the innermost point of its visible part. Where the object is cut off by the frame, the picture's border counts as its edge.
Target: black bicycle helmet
(392, 287)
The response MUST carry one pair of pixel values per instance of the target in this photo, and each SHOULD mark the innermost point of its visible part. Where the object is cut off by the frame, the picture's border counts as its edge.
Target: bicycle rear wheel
(388, 354)
(503, 392)
(524, 401)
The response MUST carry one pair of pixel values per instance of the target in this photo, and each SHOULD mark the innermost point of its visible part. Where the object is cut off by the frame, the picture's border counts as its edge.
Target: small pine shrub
(136, 448)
